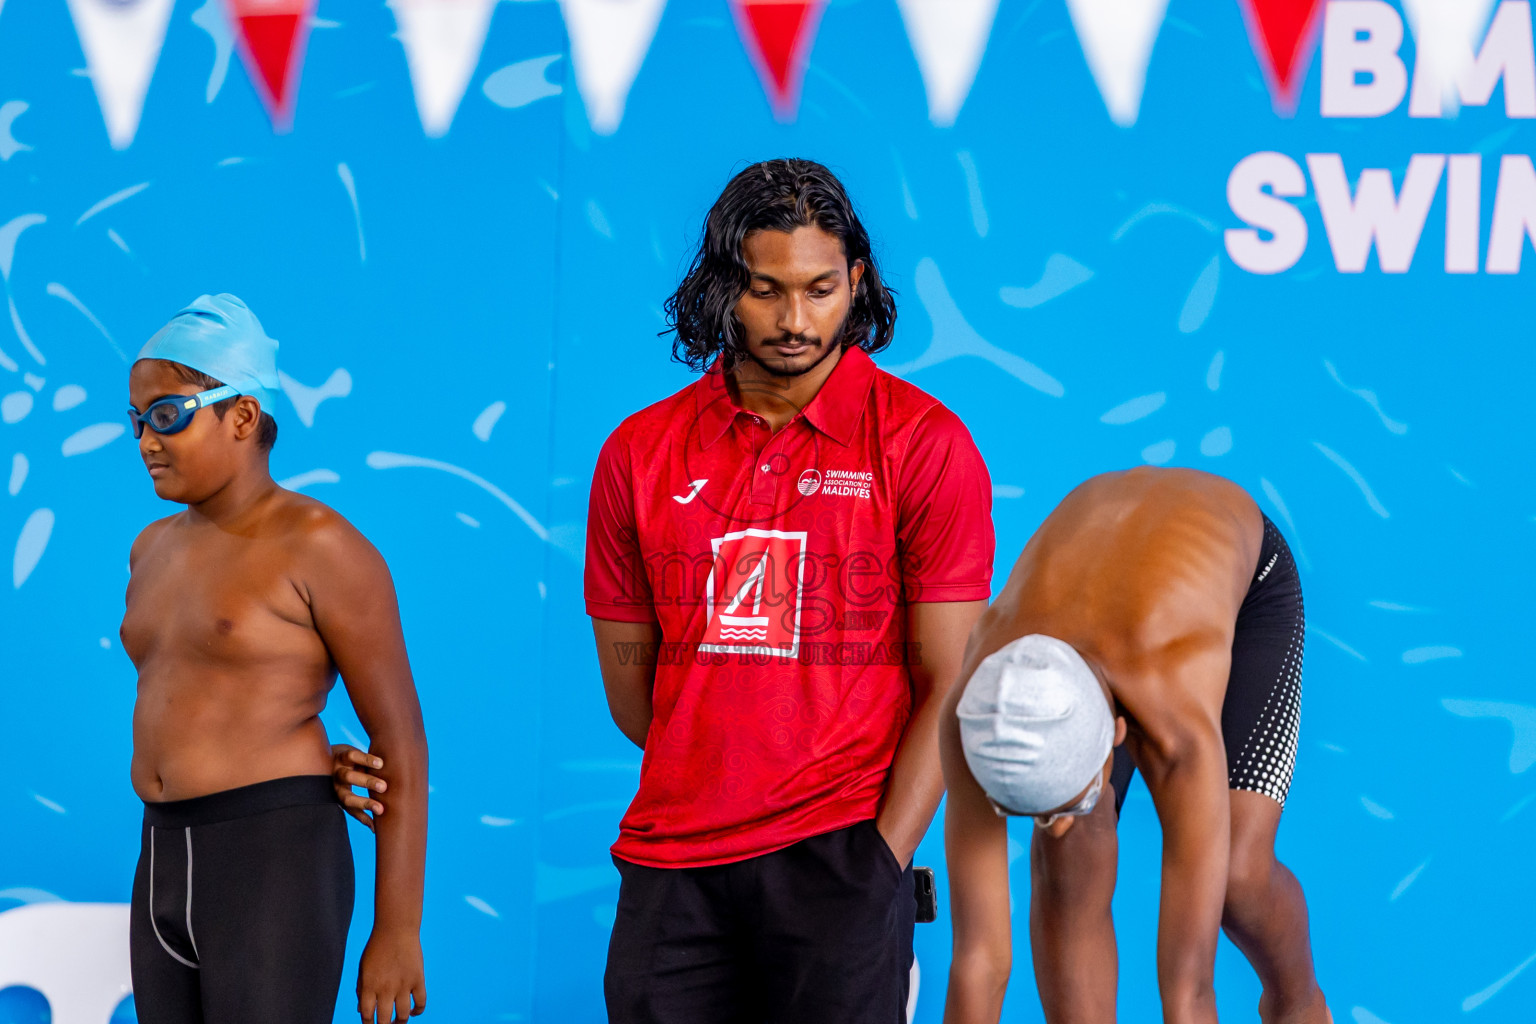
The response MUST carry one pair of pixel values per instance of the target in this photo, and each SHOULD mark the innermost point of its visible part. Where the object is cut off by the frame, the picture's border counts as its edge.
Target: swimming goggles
(170, 415)
(1086, 805)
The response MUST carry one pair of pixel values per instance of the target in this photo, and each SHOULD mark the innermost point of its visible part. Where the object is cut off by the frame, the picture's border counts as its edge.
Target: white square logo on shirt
(748, 593)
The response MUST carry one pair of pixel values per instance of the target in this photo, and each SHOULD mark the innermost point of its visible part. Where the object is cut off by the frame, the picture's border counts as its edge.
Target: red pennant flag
(779, 34)
(272, 35)
(1283, 34)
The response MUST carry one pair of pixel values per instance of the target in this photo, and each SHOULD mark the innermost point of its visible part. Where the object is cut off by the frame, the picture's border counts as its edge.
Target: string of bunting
(609, 40)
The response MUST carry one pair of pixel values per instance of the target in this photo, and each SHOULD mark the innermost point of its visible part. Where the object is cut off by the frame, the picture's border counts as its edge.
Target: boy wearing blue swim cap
(241, 611)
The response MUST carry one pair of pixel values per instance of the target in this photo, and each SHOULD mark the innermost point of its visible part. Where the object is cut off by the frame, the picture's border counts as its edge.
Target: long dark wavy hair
(775, 195)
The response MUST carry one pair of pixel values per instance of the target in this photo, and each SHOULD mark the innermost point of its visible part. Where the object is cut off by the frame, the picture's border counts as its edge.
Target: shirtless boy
(1161, 608)
(241, 611)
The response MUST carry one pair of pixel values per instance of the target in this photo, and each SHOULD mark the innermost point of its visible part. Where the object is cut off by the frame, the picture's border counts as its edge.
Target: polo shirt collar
(835, 411)
(714, 407)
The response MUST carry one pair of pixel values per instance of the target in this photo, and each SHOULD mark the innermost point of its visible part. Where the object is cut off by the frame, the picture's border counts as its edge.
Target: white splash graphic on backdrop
(111, 201)
(15, 406)
(1216, 443)
(520, 84)
(210, 18)
(9, 144)
(345, 174)
(1213, 372)
(1477, 999)
(1354, 475)
(979, 219)
(1421, 655)
(67, 397)
(19, 468)
(306, 399)
(1062, 274)
(953, 336)
(299, 481)
(1201, 298)
(1369, 398)
(9, 234)
(486, 421)
(393, 460)
(1135, 409)
(1521, 719)
(30, 545)
(88, 439)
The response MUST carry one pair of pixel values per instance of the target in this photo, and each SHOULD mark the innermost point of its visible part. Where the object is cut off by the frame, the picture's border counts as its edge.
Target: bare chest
(224, 600)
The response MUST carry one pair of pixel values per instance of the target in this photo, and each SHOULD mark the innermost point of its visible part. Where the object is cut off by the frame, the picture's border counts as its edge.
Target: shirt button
(765, 467)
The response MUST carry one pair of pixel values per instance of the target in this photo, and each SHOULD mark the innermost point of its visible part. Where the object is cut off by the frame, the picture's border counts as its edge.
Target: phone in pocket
(927, 895)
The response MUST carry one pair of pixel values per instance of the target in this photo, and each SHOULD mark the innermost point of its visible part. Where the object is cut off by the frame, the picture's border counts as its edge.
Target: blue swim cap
(220, 336)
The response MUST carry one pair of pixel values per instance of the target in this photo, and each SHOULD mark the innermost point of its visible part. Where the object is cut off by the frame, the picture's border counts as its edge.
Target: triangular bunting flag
(948, 37)
(779, 35)
(271, 34)
(1117, 38)
(1283, 33)
(122, 43)
(1446, 34)
(442, 40)
(609, 41)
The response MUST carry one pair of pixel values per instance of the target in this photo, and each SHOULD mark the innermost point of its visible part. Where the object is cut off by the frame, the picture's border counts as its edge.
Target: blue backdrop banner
(1114, 242)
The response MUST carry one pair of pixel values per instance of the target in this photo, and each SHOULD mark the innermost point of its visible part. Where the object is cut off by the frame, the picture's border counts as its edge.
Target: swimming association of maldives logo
(753, 593)
(846, 483)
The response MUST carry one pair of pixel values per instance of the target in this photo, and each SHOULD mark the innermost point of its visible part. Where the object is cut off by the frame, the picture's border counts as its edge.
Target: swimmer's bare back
(221, 624)
(1140, 570)
(1143, 572)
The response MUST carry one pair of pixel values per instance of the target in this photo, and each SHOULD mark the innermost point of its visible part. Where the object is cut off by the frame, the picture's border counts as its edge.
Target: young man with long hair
(784, 560)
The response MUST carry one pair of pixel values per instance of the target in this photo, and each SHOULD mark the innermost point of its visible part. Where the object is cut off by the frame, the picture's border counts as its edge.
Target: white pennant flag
(121, 40)
(609, 40)
(1117, 38)
(1446, 34)
(949, 38)
(442, 40)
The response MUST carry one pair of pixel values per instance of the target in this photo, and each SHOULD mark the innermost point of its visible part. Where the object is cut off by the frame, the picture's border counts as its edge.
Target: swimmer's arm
(936, 633)
(352, 599)
(1180, 752)
(626, 656)
(976, 850)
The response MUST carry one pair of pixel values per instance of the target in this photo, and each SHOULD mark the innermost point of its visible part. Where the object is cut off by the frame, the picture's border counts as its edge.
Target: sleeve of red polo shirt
(945, 513)
(616, 584)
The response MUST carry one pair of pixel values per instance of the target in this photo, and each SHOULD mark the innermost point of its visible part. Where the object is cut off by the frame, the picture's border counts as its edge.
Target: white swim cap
(1034, 724)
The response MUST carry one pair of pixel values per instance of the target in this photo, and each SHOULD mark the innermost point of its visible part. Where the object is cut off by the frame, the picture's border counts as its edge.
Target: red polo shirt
(778, 566)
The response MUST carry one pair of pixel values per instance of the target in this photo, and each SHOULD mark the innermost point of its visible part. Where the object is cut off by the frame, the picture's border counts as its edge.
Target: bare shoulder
(148, 537)
(316, 532)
